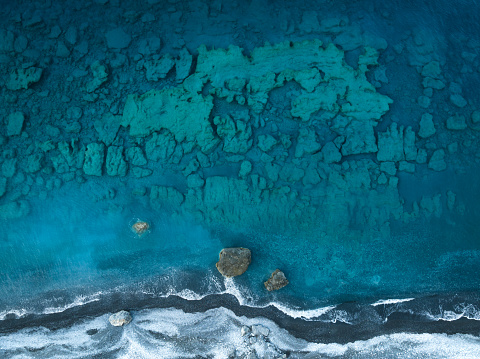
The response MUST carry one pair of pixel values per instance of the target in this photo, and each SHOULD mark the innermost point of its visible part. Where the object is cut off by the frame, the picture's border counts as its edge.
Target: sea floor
(338, 141)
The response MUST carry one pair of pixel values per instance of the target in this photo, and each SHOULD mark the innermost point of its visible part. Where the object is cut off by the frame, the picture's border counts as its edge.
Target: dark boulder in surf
(276, 281)
(234, 261)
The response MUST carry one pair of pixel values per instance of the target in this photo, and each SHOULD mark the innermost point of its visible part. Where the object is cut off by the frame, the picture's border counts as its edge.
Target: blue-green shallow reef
(337, 141)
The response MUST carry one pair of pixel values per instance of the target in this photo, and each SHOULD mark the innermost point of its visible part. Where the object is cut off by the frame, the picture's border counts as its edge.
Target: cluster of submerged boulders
(235, 261)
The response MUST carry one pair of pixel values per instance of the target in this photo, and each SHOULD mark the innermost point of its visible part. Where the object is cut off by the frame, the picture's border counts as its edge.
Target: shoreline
(370, 319)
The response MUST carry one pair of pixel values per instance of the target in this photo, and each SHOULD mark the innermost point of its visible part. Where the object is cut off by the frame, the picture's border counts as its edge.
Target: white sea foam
(243, 295)
(216, 333)
(468, 311)
(18, 313)
(306, 314)
(78, 301)
(185, 294)
(391, 301)
(53, 343)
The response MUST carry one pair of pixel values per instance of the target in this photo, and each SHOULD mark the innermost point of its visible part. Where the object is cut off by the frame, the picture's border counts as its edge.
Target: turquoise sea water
(337, 141)
(73, 242)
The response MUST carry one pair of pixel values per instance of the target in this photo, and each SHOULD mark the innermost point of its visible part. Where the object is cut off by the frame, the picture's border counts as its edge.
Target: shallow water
(381, 246)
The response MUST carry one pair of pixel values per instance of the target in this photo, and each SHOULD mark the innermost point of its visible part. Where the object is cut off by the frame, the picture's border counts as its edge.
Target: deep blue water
(350, 210)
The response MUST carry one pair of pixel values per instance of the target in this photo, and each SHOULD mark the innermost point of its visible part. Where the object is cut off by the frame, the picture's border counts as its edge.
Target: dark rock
(234, 261)
(276, 281)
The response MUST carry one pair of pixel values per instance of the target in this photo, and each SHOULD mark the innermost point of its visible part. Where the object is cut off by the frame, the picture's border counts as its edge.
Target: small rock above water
(120, 318)
(276, 281)
(234, 261)
(140, 227)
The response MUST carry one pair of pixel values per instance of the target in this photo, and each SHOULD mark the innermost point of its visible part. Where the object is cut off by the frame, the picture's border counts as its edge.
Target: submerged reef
(297, 132)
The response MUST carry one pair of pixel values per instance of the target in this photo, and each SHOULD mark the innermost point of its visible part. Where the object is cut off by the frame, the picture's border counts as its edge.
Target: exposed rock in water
(140, 227)
(120, 319)
(234, 261)
(276, 281)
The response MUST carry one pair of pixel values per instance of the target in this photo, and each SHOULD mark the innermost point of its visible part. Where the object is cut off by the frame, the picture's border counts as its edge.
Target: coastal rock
(266, 142)
(140, 172)
(234, 261)
(107, 127)
(331, 153)
(427, 127)
(100, 76)
(258, 330)
(140, 227)
(183, 65)
(235, 134)
(428, 82)
(421, 156)
(290, 172)
(62, 50)
(390, 144)
(23, 78)
(306, 143)
(219, 66)
(34, 163)
(245, 169)
(120, 318)
(94, 156)
(9, 167)
(182, 110)
(409, 148)
(245, 330)
(432, 205)
(359, 137)
(72, 155)
(135, 156)
(276, 281)
(323, 98)
(424, 101)
(150, 45)
(167, 198)
(458, 100)
(437, 161)
(115, 163)
(157, 69)
(15, 123)
(388, 167)
(456, 122)
(160, 146)
(432, 69)
(195, 181)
